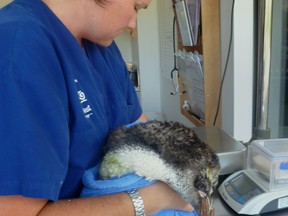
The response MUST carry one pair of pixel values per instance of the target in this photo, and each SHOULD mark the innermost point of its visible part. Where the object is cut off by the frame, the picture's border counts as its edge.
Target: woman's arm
(156, 197)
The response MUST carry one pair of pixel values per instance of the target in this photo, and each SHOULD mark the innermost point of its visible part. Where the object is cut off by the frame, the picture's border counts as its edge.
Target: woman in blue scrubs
(63, 87)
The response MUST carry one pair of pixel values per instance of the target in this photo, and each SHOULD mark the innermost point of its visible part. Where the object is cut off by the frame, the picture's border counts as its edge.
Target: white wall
(124, 42)
(237, 97)
(149, 62)
(227, 93)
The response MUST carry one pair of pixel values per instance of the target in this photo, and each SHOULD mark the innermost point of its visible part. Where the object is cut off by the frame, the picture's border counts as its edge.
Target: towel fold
(93, 186)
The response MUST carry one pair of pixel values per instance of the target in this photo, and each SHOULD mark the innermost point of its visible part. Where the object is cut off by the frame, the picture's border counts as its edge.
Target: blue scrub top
(58, 102)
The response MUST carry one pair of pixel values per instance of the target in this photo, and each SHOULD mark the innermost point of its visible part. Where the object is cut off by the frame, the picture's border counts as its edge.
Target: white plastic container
(268, 162)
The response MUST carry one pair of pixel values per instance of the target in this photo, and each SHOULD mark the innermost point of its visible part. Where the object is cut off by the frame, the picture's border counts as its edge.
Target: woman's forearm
(116, 204)
(156, 197)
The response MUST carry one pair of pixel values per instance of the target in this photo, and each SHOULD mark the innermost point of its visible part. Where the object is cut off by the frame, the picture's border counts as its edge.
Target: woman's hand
(160, 196)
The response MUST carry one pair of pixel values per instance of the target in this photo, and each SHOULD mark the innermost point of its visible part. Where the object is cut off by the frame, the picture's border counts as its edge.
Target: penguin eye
(203, 184)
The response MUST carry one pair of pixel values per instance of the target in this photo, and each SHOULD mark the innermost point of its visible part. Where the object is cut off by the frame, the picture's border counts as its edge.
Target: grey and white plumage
(165, 151)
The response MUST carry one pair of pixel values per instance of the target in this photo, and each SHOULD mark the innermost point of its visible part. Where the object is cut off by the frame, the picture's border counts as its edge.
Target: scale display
(245, 195)
(241, 188)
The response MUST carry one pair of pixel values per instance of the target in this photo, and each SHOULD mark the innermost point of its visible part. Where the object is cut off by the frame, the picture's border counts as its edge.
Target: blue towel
(95, 187)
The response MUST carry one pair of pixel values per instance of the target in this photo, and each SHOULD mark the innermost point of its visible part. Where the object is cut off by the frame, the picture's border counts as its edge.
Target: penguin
(166, 151)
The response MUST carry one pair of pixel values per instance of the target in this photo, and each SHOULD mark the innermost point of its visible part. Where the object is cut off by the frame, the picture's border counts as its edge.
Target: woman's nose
(133, 22)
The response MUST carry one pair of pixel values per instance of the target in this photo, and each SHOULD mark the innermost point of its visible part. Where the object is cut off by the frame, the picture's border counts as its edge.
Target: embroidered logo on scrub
(87, 110)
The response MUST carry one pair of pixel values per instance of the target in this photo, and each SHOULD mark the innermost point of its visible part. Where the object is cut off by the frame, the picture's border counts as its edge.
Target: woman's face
(106, 21)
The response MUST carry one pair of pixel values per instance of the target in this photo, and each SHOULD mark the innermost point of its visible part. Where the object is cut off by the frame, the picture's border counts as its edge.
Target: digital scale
(245, 194)
(265, 190)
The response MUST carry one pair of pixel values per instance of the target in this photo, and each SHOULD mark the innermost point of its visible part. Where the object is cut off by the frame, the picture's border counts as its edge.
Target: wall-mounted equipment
(188, 16)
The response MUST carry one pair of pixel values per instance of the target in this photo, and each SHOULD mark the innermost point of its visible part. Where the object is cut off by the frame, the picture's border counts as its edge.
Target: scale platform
(231, 153)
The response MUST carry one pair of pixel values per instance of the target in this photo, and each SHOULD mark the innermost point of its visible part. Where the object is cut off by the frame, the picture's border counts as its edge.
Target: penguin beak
(202, 194)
